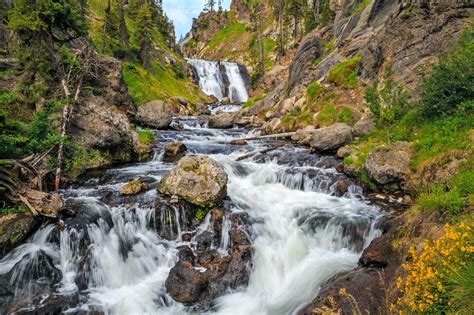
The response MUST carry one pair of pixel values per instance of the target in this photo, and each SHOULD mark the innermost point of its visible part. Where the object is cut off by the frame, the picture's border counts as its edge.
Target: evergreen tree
(144, 36)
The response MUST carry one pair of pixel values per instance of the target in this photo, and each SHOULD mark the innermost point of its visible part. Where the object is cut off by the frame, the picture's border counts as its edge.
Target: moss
(344, 74)
(15, 209)
(146, 136)
(345, 115)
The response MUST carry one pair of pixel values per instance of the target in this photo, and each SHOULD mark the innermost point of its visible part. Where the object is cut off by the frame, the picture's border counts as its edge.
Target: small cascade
(221, 79)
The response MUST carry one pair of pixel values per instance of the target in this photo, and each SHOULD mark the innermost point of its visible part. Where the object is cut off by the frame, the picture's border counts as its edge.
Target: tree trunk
(123, 32)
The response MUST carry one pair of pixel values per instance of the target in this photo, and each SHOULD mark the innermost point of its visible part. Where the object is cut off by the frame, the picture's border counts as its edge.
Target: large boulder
(197, 179)
(155, 114)
(133, 187)
(390, 165)
(222, 121)
(174, 150)
(330, 138)
(303, 136)
(15, 228)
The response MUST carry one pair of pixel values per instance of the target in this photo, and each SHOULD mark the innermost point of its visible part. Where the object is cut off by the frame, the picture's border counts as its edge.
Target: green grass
(327, 116)
(345, 115)
(7, 73)
(314, 90)
(254, 100)
(227, 35)
(146, 136)
(360, 7)
(16, 209)
(461, 289)
(328, 48)
(344, 74)
(159, 84)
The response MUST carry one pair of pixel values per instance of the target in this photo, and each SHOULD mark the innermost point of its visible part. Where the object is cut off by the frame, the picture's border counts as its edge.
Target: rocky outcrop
(197, 179)
(330, 138)
(390, 165)
(174, 150)
(222, 121)
(309, 50)
(100, 119)
(155, 114)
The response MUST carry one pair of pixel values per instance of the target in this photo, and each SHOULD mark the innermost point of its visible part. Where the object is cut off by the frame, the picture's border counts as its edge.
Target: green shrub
(344, 74)
(345, 115)
(16, 209)
(146, 136)
(451, 84)
(8, 97)
(12, 137)
(326, 116)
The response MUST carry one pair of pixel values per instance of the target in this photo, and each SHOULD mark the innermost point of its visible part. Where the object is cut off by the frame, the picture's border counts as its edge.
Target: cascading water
(111, 256)
(220, 79)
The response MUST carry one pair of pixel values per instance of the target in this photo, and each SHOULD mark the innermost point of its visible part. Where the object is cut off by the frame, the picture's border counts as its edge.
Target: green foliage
(253, 100)
(227, 35)
(360, 7)
(461, 289)
(12, 137)
(389, 104)
(16, 209)
(345, 115)
(8, 97)
(441, 201)
(314, 90)
(344, 74)
(146, 136)
(42, 136)
(202, 211)
(451, 84)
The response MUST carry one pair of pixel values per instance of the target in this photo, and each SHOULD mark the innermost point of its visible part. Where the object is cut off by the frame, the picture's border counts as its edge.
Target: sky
(182, 12)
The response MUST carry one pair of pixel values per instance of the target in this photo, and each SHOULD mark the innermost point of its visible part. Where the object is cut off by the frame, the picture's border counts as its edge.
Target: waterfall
(220, 79)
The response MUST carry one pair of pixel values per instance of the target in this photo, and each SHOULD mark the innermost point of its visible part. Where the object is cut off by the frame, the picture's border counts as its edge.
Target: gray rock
(15, 228)
(343, 152)
(309, 50)
(222, 121)
(155, 114)
(225, 101)
(182, 101)
(202, 109)
(303, 136)
(390, 165)
(197, 179)
(331, 138)
(363, 127)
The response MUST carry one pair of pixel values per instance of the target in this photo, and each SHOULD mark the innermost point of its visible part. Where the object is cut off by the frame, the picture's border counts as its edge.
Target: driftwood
(274, 136)
(248, 155)
(22, 183)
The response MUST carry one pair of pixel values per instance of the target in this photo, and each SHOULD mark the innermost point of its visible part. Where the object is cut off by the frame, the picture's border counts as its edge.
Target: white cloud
(182, 12)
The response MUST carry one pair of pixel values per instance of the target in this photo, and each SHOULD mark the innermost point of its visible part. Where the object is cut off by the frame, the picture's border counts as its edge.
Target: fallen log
(248, 155)
(274, 136)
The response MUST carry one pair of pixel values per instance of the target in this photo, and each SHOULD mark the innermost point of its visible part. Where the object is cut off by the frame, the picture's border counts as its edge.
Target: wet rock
(222, 121)
(204, 240)
(172, 217)
(239, 239)
(15, 228)
(390, 165)
(202, 109)
(363, 127)
(197, 179)
(185, 284)
(174, 150)
(331, 138)
(239, 142)
(378, 253)
(133, 187)
(155, 114)
(341, 187)
(225, 101)
(343, 152)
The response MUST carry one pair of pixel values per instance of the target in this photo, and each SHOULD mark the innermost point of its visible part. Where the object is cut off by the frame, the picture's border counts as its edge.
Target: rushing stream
(110, 258)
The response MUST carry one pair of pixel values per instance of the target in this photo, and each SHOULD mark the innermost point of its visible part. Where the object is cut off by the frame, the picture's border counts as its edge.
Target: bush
(146, 136)
(451, 84)
(344, 74)
(12, 137)
(314, 90)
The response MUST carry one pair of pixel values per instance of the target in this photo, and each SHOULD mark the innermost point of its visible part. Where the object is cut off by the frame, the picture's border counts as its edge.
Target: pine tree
(144, 36)
(210, 4)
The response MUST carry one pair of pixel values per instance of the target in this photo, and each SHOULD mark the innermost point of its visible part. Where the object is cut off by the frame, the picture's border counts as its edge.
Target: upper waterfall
(221, 79)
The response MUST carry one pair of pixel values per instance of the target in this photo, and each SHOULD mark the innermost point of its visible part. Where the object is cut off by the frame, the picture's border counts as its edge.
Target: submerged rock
(390, 165)
(155, 114)
(197, 179)
(330, 138)
(174, 150)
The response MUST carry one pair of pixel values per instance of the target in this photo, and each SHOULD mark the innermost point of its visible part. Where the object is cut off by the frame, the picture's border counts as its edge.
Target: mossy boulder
(197, 179)
(155, 114)
(133, 187)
